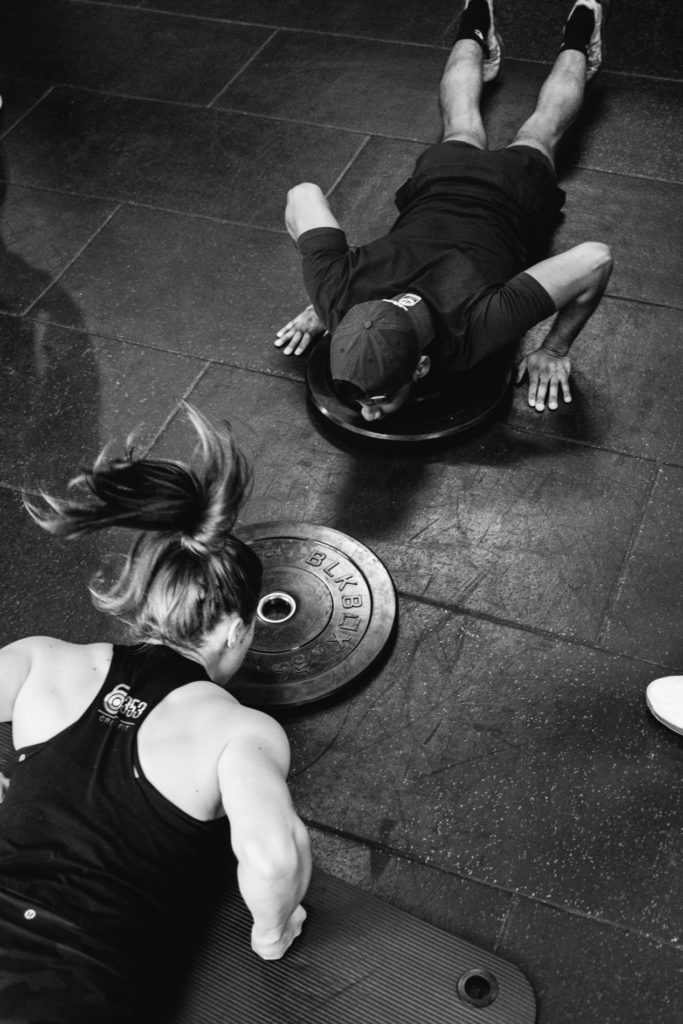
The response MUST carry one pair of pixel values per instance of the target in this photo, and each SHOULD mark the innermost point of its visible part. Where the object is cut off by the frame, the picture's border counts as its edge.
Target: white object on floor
(665, 700)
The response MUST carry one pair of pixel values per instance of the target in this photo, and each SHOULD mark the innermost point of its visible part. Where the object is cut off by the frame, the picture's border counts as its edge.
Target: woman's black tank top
(85, 837)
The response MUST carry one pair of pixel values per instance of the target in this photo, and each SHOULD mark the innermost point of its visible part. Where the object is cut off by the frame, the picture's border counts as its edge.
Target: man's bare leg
(559, 101)
(474, 59)
(460, 93)
(561, 95)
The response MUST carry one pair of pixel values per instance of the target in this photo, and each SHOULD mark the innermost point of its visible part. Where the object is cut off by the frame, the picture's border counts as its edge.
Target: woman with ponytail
(136, 773)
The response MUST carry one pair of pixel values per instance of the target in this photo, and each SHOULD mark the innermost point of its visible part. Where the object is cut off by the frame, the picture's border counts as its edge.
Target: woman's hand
(271, 946)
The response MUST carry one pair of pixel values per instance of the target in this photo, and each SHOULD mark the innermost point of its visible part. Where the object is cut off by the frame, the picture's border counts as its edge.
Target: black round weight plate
(473, 398)
(326, 611)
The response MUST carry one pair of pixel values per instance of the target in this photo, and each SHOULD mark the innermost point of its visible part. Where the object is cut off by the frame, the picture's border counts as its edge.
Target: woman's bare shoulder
(58, 652)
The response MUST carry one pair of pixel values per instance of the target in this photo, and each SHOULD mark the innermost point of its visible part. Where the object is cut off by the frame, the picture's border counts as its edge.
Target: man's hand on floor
(548, 373)
(297, 335)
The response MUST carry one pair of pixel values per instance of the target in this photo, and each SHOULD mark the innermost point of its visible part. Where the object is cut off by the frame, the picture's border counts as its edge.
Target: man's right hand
(273, 947)
(297, 335)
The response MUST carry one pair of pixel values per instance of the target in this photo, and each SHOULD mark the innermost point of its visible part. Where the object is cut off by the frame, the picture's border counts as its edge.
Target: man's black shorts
(517, 183)
(504, 204)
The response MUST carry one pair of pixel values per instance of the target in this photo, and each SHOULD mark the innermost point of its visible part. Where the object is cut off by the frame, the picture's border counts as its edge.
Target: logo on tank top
(121, 708)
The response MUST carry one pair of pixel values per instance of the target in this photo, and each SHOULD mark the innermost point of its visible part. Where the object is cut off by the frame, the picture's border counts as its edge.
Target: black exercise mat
(6, 748)
(358, 961)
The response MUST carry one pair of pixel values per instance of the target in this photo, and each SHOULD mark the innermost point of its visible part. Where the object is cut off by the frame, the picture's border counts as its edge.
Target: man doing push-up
(457, 277)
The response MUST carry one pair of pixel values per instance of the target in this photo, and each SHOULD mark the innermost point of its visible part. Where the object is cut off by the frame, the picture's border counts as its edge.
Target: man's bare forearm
(569, 322)
(575, 280)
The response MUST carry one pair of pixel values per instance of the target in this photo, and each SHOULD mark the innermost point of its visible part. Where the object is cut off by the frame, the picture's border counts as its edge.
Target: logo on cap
(405, 301)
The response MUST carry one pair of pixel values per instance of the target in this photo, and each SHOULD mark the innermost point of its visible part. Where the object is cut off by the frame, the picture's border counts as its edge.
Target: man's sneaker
(596, 46)
(492, 45)
(665, 700)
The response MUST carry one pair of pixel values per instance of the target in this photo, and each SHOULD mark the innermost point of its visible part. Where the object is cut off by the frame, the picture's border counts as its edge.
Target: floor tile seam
(597, 919)
(165, 13)
(376, 845)
(257, 371)
(280, 119)
(182, 104)
(125, 339)
(644, 302)
(515, 894)
(126, 203)
(613, 296)
(620, 576)
(58, 277)
(628, 175)
(177, 409)
(326, 125)
(104, 337)
(116, 94)
(452, 27)
(259, 50)
(193, 215)
(605, 72)
(505, 923)
(345, 170)
(575, 442)
(143, 449)
(27, 112)
(526, 627)
(322, 124)
(291, 29)
(208, 361)
(109, 3)
(439, 47)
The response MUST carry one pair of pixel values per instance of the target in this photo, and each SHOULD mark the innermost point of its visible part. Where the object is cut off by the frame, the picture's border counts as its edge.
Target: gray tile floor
(501, 776)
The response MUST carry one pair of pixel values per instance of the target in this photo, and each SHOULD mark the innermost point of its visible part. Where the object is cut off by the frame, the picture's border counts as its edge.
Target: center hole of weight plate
(276, 607)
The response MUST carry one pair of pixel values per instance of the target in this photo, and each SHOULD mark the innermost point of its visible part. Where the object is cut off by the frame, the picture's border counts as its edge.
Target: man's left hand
(547, 374)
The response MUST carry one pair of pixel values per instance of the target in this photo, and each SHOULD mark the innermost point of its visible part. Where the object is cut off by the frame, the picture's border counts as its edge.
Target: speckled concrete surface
(501, 776)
